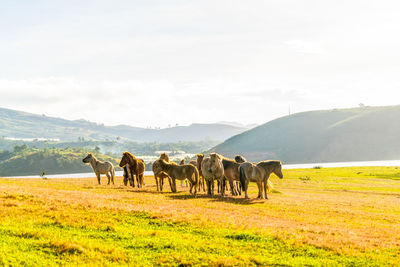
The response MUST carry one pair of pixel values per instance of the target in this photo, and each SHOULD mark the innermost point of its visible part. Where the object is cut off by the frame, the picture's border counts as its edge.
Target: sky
(154, 63)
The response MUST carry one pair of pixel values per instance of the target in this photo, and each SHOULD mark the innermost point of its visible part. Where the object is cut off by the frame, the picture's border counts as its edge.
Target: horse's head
(164, 156)
(199, 158)
(88, 158)
(157, 166)
(124, 160)
(215, 161)
(240, 159)
(278, 170)
(160, 165)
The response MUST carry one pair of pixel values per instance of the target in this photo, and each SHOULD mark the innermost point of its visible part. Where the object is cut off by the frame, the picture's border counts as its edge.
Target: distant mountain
(367, 133)
(236, 124)
(18, 124)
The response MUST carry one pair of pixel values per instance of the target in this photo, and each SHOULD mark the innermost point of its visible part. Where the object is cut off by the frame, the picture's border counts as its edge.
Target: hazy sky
(154, 63)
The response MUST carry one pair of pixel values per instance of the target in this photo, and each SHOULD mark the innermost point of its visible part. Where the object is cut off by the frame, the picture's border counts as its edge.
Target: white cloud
(165, 62)
(305, 47)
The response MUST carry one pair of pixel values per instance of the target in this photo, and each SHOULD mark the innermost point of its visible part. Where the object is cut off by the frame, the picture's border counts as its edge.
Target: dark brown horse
(197, 164)
(240, 159)
(136, 168)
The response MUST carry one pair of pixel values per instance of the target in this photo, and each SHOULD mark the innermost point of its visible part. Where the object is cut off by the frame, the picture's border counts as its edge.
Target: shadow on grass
(218, 198)
(181, 194)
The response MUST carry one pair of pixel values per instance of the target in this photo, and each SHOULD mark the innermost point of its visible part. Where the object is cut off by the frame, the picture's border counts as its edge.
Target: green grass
(140, 239)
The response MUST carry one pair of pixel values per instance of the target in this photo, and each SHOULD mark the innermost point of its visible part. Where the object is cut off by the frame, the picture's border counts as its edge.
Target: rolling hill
(18, 124)
(366, 133)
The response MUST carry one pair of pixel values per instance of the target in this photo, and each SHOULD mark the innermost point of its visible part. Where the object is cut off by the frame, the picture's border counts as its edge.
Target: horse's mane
(164, 156)
(92, 156)
(129, 155)
(271, 162)
(227, 159)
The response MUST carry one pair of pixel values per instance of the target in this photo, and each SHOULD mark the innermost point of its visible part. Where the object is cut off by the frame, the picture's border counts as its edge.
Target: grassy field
(318, 217)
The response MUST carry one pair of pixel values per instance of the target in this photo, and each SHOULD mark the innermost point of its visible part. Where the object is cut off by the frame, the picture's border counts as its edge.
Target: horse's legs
(125, 180)
(239, 187)
(222, 184)
(155, 177)
(131, 179)
(232, 188)
(246, 185)
(174, 185)
(208, 187)
(193, 186)
(259, 185)
(141, 180)
(98, 177)
(109, 178)
(265, 188)
(171, 184)
(161, 183)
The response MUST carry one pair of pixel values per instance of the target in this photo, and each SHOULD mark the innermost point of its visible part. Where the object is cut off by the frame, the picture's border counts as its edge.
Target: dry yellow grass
(348, 210)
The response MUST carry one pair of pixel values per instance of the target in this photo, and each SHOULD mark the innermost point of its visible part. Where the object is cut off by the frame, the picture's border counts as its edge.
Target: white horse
(100, 167)
(212, 169)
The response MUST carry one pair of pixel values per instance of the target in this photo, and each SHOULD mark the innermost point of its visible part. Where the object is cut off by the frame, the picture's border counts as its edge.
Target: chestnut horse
(136, 168)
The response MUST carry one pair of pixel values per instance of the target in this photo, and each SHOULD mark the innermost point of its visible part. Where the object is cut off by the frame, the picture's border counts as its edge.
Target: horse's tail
(196, 176)
(270, 186)
(242, 177)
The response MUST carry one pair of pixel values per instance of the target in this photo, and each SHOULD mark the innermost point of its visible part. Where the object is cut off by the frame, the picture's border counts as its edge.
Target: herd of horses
(201, 173)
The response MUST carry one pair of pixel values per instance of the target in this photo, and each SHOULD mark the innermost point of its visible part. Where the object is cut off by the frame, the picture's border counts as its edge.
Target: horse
(212, 169)
(199, 159)
(180, 172)
(259, 173)
(231, 173)
(160, 176)
(136, 168)
(100, 167)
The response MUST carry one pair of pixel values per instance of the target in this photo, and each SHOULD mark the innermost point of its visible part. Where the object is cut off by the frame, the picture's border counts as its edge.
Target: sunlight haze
(160, 63)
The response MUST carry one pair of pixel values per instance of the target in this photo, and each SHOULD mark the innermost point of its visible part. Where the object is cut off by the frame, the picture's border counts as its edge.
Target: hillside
(18, 124)
(368, 133)
(26, 161)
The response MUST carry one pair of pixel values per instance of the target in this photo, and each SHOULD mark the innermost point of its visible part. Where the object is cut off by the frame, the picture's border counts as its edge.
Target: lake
(285, 166)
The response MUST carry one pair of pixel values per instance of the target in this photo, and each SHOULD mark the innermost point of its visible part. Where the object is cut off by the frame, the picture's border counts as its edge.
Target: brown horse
(136, 167)
(180, 172)
(231, 173)
(259, 173)
(160, 176)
